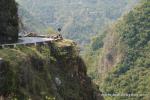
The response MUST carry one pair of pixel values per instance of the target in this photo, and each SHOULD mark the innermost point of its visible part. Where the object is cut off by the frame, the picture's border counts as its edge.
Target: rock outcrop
(52, 72)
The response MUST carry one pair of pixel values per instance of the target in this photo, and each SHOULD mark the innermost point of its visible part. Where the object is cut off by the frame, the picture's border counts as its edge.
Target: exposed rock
(57, 81)
(1, 60)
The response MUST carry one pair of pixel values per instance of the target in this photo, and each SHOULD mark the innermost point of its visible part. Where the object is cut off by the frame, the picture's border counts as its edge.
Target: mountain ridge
(87, 20)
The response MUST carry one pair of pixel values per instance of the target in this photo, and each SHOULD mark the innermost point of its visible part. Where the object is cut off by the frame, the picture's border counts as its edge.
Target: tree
(9, 21)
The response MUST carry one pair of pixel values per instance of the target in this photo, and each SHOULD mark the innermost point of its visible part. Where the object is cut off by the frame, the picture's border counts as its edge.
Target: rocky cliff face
(125, 56)
(47, 72)
(8, 21)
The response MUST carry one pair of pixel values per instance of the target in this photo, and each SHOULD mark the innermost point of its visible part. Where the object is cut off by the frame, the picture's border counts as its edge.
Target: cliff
(46, 72)
(124, 63)
(8, 21)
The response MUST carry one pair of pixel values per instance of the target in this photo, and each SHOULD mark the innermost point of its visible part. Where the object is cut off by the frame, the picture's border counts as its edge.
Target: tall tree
(8, 21)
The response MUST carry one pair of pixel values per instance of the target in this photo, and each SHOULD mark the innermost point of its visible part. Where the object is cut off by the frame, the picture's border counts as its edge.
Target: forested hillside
(46, 69)
(8, 21)
(53, 71)
(115, 37)
(29, 23)
(79, 19)
(124, 57)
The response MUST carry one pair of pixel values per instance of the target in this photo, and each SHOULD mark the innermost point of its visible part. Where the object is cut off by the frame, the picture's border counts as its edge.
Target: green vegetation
(28, 74)
(8, 21)
(118, 58)
(79, 19)
(28, 22)
(48, 72)
(124, 58)
(51, 31)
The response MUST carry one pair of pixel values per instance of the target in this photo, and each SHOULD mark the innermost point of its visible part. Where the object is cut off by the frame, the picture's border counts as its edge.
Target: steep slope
(47, 72)
(8, 21)
(125, 58)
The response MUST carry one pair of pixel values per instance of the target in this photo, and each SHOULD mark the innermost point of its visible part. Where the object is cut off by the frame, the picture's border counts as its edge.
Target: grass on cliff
(32, 72)
(29, 72)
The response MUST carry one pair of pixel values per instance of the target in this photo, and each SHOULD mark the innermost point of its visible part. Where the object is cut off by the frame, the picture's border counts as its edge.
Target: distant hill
(29, 23)
(79, 19)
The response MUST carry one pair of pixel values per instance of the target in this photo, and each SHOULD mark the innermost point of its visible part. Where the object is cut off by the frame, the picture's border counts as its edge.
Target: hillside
(43, 67)
(79, 19)
(8, 21)
(39, 67)
(47, 72)
(124, 57)
(29, 23)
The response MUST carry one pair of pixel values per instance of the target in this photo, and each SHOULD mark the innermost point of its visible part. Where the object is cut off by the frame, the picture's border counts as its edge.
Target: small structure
(31, 34)
(59, 36)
